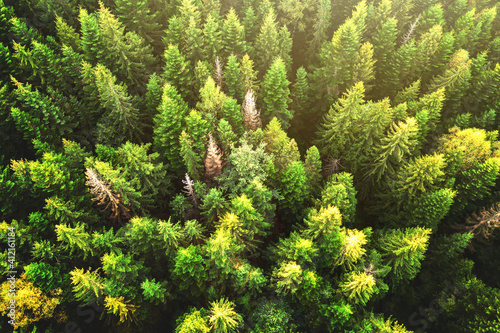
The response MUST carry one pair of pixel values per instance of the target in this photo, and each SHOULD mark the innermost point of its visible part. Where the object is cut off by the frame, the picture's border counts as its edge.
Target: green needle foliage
(250, 166)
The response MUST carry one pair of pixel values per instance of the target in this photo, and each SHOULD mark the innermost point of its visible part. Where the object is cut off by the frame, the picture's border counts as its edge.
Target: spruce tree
(92, 40)
(248, 74)
(212, 35)
(233, 35)
(275, 94)
(126, 54)
(337, 60)
(138, 17)
(177, 71)
(232, 80)
(194, 43)
(393, 149)
(168, 124)
(122, 120)
(384, 46)
(266, 47)
(405, 249)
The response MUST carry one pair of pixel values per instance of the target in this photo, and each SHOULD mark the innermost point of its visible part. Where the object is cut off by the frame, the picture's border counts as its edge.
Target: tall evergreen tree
(266, 47)
(176, 71)
(122, 119)
(275, 94)
(232, 80)
(168, 124)
(233, 35)
(138, 17)
(212, 35)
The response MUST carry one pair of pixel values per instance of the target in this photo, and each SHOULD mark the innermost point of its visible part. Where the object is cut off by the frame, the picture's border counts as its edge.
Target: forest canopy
(250, 166)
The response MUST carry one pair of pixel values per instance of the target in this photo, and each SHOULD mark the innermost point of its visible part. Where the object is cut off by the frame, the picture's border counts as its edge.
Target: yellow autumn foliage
(32, 304)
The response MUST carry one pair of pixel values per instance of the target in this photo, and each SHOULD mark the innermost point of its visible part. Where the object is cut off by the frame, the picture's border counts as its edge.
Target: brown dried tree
(219, 73)
(251, 116)
(482, 223)
(213, 161)
(105, 196)
(189, 189)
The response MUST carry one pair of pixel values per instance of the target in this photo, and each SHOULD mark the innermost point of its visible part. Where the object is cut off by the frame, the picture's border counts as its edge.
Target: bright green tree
(233, 35)
(168, 125)
(404, 250)
(234, 87)
(176, 71)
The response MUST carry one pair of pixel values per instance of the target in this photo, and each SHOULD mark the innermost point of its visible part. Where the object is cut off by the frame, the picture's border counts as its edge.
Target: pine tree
(210, 8)
(321, 25)
(455, 79)
(405, 251)
(226, 136)
(68, 35)
(174, 32)
(223, 318)
(168, 125)
(275, 94)
(195, 321)
(197, 128)
(138, 17)
(248, 74)
(126, 54)
(352, 128)
(352, 250)
(312, 166)
(339, 191)
(212, 101)
(393, 149)
(154, 91)
(285, 43)
(266, 46)
(301, 99)
(244, 165)
(427, 46)
(202, 71)
(287, 277)
(283, 150)
(176, 71)
(212, 35)
(358, 287)
(403, 66)
(249, 22)
(470, 162)
(121, 121)
(194, 43)
(121, 307)
(420, 175)
(32, 304)
(189, 9)
(233, 35)
(295, 190)
(88, 286)
(74, 238)
(38, 116)
(233, 84)
(384, 46)
(192, 160)
(92, 40)
(232, 113)
(214, 205)
(143, 171)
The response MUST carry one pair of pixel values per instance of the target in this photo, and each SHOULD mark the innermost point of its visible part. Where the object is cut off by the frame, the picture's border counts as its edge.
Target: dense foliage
(250, 165)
